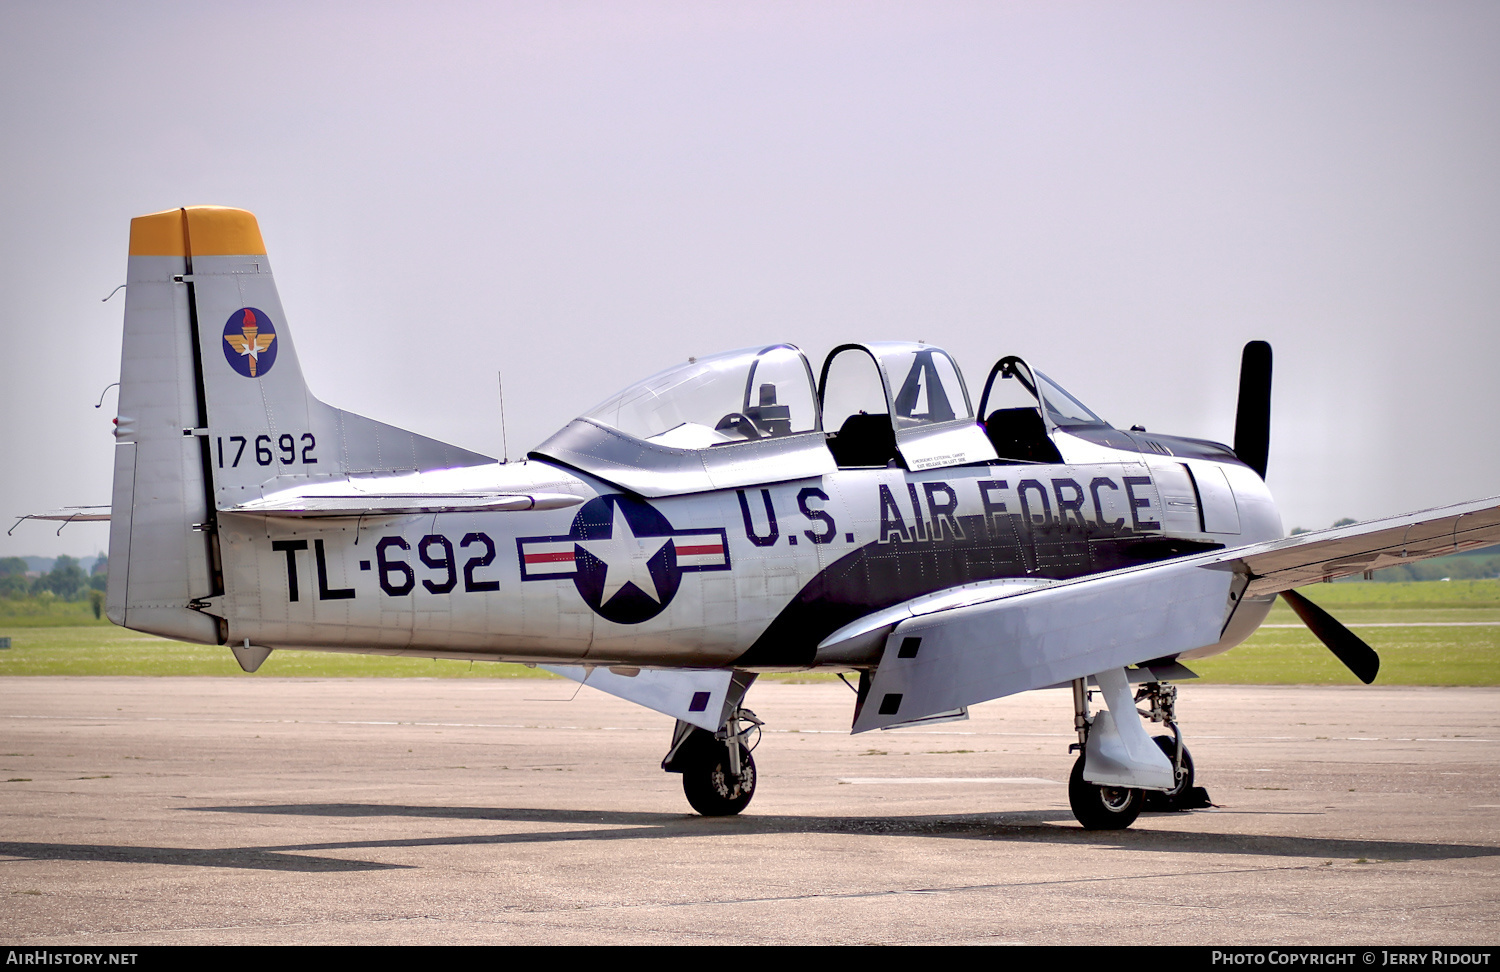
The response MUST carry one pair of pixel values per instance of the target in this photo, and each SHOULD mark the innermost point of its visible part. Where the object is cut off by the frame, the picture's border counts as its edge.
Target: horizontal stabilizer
(295, 504)
(66, 515)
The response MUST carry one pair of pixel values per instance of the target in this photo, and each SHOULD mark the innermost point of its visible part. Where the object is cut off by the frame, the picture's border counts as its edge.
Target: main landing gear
(718, 772)
(1113, 804)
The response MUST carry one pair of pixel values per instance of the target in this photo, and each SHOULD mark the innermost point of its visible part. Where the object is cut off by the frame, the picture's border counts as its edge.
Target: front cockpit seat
(864, 440)
(1018, 434)
(769, 417)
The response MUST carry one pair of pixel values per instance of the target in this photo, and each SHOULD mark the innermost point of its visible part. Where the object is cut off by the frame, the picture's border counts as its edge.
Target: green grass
(1362, 602)
(46, 612)
(64, 639)
(116, 651)
(1408, 656)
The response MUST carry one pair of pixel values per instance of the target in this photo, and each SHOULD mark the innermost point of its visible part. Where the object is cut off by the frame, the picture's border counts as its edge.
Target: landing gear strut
(1114, 807)
(718, 772)
(1097, 807)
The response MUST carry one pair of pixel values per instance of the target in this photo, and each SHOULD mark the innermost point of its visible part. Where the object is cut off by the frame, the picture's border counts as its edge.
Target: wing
(1329, 554)
(982, 642)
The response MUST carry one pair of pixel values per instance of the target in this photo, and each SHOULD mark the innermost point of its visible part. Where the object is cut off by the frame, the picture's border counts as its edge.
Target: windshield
(1062, 408)
(736, 396)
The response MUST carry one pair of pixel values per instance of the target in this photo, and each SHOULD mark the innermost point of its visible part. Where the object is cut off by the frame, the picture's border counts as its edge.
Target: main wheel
(712, 789)
(1177, 797)
(1102, 807)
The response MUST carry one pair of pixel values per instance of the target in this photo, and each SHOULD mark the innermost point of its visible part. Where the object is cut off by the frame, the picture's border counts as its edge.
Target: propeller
(1346, 646)
(1252, 420)
(1252, 443)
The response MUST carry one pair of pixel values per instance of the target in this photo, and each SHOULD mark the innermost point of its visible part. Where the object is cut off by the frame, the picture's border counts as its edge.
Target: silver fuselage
(799, 560)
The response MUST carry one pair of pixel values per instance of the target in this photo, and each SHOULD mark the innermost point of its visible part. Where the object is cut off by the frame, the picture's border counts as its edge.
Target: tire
(1102, 807)
(1177, 797)
(710, 787)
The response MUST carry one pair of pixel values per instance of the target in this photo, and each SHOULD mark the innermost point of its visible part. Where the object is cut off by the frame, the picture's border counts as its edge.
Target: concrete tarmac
(368, 811)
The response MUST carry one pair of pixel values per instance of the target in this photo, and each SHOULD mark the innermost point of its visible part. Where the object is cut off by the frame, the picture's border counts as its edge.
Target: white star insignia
(626, 559)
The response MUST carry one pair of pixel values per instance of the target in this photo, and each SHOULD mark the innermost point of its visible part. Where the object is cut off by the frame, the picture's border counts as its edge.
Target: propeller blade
(1252, 420)
(1357, 656)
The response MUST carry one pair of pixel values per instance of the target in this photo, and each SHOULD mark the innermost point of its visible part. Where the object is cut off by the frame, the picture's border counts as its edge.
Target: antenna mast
(504, 441)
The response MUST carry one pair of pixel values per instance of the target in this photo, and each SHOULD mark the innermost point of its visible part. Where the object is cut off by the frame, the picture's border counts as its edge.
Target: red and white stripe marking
(544, 558)
(699, 551)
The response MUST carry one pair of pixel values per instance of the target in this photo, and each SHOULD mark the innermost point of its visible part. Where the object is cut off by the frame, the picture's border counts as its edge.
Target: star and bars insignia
(624, 557)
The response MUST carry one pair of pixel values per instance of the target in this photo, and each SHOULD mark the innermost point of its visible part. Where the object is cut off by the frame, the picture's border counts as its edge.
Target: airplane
(732, 515)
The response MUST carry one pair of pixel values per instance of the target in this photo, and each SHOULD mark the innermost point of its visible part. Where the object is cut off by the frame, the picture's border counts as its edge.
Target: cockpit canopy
(755, 416)
(736, 396)
(740, 418)
(897, 402)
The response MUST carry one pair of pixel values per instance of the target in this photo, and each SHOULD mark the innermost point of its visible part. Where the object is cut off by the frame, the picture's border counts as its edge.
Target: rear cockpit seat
(1019, 435)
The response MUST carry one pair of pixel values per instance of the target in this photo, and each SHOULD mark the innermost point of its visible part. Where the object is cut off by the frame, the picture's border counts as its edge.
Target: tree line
(66, 580)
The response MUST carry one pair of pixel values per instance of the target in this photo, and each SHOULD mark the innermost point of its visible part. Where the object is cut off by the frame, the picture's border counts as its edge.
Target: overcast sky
(579, 194)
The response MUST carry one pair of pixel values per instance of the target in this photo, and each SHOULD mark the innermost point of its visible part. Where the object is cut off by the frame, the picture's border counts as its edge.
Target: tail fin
(213, 413)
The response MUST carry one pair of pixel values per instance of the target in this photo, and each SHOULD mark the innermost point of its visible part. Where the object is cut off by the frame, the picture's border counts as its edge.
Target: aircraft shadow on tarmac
(252, 858)
(1034, 827)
